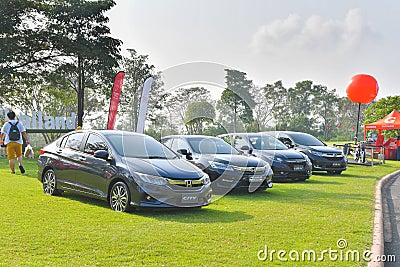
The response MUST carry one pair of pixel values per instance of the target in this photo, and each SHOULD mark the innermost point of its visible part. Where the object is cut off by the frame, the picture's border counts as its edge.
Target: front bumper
(324, 164)
(291, 172)
(172, 196)
(225, 181)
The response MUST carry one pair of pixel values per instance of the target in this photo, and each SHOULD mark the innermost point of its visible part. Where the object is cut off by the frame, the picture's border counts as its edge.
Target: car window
(266, 142)
(204, 145)
(61, 142)
(74, 140)
(94, 143)
(240, 142)
(306, 139)
(167, 142)
(227, 139)
(139, 146)
(180, 144)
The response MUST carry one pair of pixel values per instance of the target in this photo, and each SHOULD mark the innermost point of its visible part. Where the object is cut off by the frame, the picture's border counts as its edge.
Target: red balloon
(362, 88)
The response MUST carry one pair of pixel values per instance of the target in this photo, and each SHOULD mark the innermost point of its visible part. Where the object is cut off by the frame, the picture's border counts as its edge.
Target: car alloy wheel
(120, 197)
(50, 183)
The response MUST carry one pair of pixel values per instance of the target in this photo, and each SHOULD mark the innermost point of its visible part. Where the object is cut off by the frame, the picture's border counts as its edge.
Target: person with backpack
(11, 135)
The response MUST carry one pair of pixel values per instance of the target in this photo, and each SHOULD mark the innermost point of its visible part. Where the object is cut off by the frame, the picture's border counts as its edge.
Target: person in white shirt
(12, 133)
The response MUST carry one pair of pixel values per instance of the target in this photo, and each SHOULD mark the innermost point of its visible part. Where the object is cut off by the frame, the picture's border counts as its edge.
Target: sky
(327, 42)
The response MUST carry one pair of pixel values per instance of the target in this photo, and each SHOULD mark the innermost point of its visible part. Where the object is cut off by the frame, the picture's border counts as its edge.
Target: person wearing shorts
(14, 148)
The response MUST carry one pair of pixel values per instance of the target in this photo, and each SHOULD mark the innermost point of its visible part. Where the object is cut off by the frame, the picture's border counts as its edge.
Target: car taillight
(41, 151)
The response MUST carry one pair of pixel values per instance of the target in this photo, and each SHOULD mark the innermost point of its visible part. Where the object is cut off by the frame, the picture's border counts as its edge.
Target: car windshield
(204, 145)
(305, 139)
(266, 142)
(139, 146)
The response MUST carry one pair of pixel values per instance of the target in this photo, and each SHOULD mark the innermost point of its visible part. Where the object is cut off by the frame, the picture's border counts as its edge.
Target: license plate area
(190, 198)
(298, 168)
(256, 179)
(336, 164)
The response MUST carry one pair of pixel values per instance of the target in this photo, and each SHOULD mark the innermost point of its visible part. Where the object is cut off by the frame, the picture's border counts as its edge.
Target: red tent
(389, 122)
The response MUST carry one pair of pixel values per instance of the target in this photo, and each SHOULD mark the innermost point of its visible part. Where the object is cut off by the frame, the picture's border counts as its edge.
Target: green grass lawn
(41, 230)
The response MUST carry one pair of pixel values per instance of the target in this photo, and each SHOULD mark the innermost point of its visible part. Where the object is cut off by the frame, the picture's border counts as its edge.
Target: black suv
(287, 164)
(323, 157)
(227, 167)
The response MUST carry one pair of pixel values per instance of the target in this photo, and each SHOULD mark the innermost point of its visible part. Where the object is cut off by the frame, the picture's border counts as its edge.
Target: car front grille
(249, 169)
(186, 183)
(333, 156)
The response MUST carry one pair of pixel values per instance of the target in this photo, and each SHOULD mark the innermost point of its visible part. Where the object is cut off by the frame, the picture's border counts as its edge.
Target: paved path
(392, 220)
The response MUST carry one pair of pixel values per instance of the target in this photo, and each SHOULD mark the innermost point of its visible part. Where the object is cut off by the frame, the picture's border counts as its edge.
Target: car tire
(50, 183)
(120, 197)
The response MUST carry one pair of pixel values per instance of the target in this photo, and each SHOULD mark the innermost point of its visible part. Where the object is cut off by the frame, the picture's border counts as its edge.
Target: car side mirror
(289, 144)
(247, 148)
(186, 153)
(102, 154)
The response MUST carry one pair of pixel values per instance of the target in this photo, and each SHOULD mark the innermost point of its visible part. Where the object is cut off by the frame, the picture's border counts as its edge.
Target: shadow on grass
(85, 199)
(195, 215)
(345, 175)
(323, 182)
(308, 181)
(185, 215)
(306, 197)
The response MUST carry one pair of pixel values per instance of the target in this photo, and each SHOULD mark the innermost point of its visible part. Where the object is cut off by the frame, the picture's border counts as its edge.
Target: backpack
(14, 134)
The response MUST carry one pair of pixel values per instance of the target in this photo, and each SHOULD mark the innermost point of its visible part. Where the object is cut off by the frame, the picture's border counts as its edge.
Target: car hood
(285, 154)
(236, 160)
(325, 149)
(169, 168)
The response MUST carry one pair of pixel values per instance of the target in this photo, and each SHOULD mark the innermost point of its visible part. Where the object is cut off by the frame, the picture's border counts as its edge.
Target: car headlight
(220, 166)
(316, 153)
(152, 179)
(269, 158)
(307, 159)
(206, 179)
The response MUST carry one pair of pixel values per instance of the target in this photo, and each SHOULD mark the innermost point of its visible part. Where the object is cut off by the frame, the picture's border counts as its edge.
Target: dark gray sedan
(126, 169)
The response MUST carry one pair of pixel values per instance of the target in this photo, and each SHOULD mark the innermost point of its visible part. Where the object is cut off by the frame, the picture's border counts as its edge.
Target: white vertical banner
(144, 100)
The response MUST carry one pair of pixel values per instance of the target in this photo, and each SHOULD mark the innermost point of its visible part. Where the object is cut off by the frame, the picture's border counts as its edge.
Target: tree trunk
(81, 93)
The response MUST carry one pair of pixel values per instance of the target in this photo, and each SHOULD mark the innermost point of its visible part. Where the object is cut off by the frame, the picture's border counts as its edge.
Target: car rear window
(203, 145)
(266, 142)
(74, 140)
(306, 139)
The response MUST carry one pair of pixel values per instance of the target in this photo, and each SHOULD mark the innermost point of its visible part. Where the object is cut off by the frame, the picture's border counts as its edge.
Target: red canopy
(389, 122)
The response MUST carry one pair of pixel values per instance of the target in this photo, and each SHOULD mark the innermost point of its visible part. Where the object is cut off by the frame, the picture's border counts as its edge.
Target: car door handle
(59, 151)
(82, 158)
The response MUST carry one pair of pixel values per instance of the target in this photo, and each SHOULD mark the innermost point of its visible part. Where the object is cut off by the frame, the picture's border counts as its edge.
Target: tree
(346, 116)
(274, 101)
(300, 99)
(381, 108)
(137, 71)
(24, 42)
(325, 107)
(80, 33)
(237, 99)
(179, 101)
(37, 96)
(261, 112)
(197, 114)
(59, 36)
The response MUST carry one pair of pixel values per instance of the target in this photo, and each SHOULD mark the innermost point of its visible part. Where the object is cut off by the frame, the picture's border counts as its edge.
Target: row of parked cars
(134, 170)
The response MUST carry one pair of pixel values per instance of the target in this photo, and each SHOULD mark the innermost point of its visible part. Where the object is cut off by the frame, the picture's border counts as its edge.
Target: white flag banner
(144, 100)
